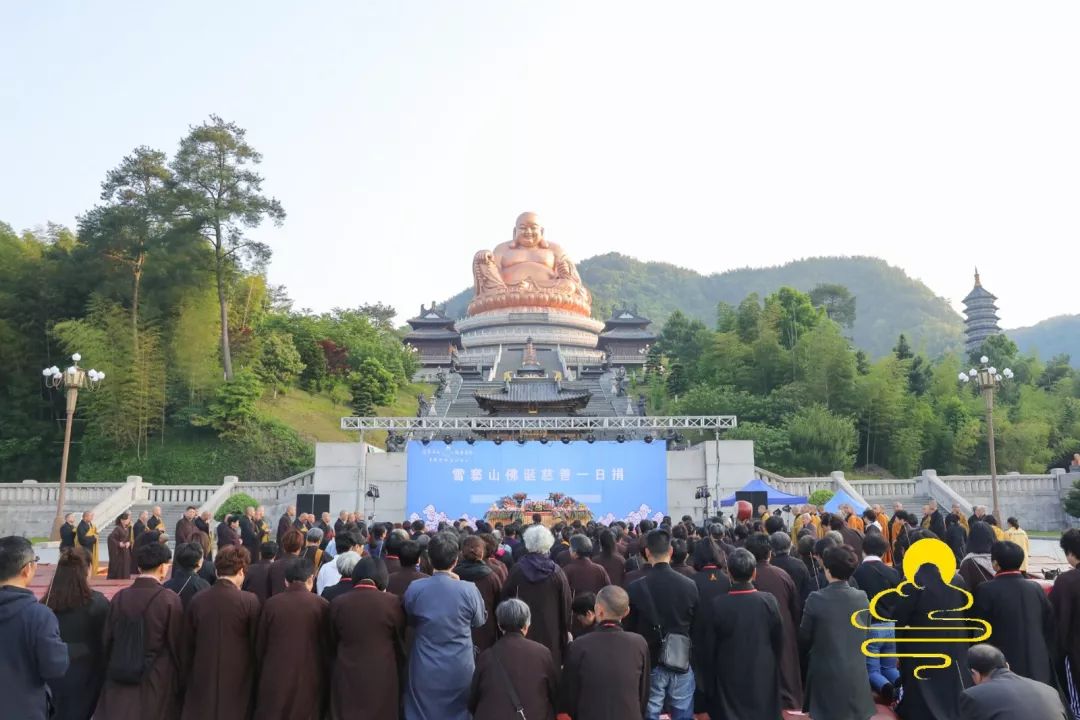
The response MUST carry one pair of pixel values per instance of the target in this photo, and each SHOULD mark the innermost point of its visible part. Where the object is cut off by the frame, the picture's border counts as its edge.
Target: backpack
(129, 661)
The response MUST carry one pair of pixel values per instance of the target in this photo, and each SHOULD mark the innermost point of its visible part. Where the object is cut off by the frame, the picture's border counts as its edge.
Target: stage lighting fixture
(543, 441)
(498, 441)
(521, 441)
(470, 440)
(648, 438)
(620, 438)
(591, 439)
(426, 440)
(447, 439)
(565, 440)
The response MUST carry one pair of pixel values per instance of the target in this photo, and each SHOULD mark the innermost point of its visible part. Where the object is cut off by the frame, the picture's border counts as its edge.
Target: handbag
(674, 647)
(514, 699)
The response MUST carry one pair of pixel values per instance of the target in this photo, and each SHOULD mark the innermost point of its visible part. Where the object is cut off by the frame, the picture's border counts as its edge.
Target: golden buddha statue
(527, 271)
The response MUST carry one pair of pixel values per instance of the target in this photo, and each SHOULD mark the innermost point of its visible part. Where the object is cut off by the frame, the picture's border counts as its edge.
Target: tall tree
(837, 301)
(902, 351)
(135, 220)
(221, 196)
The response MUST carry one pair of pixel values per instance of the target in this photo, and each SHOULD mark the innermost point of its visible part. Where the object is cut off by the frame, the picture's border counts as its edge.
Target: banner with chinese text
(617, 481)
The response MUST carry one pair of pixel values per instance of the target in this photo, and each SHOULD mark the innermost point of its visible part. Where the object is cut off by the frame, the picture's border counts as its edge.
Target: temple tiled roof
(525, 392)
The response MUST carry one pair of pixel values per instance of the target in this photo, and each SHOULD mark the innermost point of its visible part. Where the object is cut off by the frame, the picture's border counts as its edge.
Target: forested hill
(1055, 336)
(888, 302)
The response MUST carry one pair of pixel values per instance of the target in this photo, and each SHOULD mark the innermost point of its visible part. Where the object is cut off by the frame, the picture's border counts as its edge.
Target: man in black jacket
(664, 602)
(874, 576)
(32, 652)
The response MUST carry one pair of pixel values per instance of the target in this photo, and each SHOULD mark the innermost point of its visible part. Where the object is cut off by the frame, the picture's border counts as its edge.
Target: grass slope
(318, 419)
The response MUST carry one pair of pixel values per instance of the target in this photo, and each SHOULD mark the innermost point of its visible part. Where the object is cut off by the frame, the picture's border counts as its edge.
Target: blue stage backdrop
(618, 481)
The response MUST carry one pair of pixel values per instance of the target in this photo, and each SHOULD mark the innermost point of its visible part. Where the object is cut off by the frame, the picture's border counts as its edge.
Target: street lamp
(988, 378)
(72, 380)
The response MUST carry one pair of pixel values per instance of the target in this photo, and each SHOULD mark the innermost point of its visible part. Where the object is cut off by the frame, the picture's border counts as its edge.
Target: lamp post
(988, 378)
(72, 380)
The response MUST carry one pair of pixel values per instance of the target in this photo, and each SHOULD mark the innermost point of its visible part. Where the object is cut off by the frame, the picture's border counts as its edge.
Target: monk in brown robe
(582, 573)
(291, 545)
(779, 584)
(257, 575)
(528, 664)
(156, 696)
(119, 542)
(220, 631)
(367, 625)
(185, 526)
(401, 579)
(292, 645)
(606, 674)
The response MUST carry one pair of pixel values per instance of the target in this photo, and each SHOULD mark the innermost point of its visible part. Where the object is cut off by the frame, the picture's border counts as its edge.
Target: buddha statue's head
(528, 232)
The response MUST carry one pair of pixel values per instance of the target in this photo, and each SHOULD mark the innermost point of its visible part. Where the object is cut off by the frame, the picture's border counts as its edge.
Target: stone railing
(886, 489)
(807, 485)
(274, 492)
(30, 492)
(1020, 484)
(178, 494)
(220, 496)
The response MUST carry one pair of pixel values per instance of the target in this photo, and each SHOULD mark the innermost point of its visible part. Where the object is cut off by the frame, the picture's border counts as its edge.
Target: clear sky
(403, 136)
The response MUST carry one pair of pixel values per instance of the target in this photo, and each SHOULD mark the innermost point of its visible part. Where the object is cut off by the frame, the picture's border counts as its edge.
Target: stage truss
(628, 423)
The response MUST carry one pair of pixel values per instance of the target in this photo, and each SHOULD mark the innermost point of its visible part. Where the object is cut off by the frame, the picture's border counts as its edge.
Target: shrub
(235, 505)
(820, 497)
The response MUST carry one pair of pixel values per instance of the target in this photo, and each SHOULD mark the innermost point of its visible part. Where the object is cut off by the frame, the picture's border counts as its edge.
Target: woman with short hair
(514, 661)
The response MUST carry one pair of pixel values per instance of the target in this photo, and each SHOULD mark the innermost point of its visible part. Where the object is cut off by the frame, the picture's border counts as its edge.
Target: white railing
(178, 494)
(887, 489)
(276, 491)
(1020, 484)
(35, 493)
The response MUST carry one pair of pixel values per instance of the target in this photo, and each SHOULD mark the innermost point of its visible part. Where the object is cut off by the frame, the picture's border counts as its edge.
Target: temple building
(980, 316)
(626, 337)
(530, 391)
(434, 338)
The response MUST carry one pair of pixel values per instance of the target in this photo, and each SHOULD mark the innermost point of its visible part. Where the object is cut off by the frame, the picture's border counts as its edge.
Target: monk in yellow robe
(1019, 536)
(87, 536)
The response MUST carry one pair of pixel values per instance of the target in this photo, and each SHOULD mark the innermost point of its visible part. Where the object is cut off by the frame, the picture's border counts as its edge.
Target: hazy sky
(403, 136)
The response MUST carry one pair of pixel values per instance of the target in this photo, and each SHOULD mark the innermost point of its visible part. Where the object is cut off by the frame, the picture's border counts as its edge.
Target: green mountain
(888, 302)
(1051, 337)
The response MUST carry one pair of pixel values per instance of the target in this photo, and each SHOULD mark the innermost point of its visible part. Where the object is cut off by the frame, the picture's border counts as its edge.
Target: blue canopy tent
(776, 497)
(842, 498)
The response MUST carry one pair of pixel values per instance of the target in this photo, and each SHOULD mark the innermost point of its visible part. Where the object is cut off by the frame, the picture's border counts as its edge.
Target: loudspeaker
(314, 504)
(756, 499)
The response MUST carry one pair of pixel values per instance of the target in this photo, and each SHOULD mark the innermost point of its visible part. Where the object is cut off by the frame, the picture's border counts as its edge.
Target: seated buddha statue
(527, 271)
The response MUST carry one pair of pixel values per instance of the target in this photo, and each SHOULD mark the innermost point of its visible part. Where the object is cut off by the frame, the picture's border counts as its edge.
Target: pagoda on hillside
(531, 391)
(980, 313)
(433, 337)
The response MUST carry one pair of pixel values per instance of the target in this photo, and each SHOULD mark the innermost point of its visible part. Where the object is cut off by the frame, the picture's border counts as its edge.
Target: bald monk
(852, 519)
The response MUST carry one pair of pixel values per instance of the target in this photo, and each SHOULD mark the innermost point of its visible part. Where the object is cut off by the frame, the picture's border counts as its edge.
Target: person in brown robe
(606, 675)
(291, 544)
(542, 584)
(185, 526)
(292, 645)
(119, 542)
(157, 695)
(285, 523)
(401, 579)
(220, 626)
(367, 625)
(472, 568)
(610, 559)
(582, 573)
(257, 575)
(528, 664)
(779, 584)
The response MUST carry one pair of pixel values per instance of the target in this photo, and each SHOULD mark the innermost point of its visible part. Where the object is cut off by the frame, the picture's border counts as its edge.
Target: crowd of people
(725, 619)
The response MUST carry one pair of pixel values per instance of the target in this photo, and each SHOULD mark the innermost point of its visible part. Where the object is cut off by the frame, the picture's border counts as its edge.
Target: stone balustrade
(178, 494)
(30, 492)
(888, 489)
